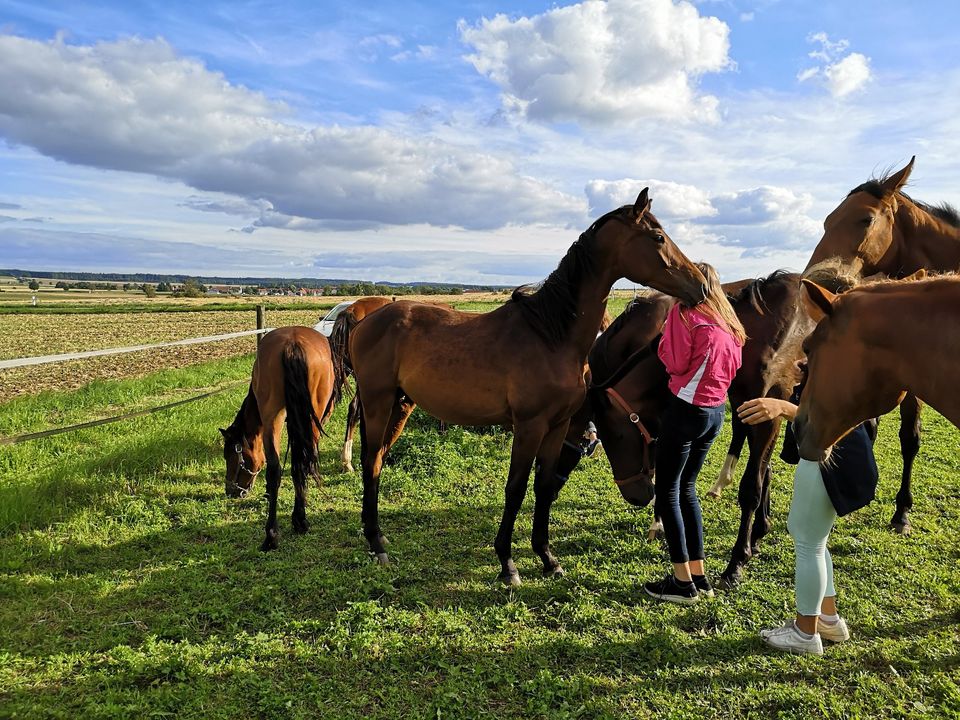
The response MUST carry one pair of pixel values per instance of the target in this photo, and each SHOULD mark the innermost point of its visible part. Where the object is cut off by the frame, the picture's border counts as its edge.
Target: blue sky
(466, 142)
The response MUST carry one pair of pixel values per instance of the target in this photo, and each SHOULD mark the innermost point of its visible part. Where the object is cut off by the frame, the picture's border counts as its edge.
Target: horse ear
(899, 179)
(918, 275)
(223, 432)
(817, 300)
(643, 203)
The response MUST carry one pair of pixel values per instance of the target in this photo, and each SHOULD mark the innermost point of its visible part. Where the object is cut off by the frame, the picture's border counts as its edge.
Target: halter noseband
(242, 467)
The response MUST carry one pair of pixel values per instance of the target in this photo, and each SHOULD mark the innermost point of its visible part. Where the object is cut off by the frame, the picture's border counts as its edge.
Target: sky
(455, 142)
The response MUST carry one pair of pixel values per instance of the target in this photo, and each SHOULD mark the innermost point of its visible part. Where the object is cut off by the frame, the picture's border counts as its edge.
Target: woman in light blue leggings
(820, 494)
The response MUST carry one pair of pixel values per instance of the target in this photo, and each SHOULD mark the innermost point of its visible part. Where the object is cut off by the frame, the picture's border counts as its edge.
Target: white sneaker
(834, 632)
(789, 638)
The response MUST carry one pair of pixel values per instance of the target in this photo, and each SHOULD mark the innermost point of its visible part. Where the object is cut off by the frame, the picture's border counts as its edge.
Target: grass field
(131, 587)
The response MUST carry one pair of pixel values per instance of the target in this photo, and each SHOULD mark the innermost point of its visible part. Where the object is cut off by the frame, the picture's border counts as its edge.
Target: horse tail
(340, 351)
(301, 416)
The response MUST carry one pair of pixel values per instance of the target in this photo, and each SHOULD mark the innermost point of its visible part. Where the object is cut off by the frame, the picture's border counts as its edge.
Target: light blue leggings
(811, 518)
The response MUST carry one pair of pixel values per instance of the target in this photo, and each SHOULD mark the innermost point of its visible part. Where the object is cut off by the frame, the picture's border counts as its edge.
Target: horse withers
(293, 383)
(873, 345)
(521, 365)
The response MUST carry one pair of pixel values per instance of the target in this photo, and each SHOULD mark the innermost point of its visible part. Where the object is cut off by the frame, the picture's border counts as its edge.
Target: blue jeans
(686, 434)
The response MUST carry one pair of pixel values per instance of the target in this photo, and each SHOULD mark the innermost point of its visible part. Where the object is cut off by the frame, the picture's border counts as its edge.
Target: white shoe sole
(794, 649)
(677, 599)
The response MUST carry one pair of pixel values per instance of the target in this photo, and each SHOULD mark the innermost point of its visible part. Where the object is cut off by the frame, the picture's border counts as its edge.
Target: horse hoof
(348, 468)
(300, 526)
(715, 494)
(510, 579)
(383, 540)
(381, 558)
(728, 583)
(754, 551)
(555, 571)
(271, 543)
(901, 528)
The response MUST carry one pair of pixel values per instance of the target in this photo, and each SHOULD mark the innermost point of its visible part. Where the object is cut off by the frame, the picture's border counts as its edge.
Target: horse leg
(527, 439)
(729, 469)
(761, 519)
(376, 419)
(271, 441)
(910, 427)
(545, 487)
(761, 438)
(655, 531)
(353, 415)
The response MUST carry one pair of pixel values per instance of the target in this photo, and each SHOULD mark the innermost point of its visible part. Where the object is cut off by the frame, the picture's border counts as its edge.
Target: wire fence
(44, 359)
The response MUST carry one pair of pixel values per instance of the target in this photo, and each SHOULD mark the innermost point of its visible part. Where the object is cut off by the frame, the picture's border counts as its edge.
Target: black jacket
(850, 475)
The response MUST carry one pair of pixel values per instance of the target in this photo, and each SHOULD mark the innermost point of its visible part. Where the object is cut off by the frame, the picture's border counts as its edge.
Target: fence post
(260, 324)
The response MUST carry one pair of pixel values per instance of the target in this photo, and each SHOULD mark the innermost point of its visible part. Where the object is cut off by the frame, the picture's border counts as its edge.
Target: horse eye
(660, 238)
(867, 220)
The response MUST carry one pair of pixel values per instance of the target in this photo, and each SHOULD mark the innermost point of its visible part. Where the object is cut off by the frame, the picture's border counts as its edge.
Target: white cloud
(135, 105)
(670, 199)
(746, 17)
(603, 62)
(841, 75)
(759, 205)
(848, 75)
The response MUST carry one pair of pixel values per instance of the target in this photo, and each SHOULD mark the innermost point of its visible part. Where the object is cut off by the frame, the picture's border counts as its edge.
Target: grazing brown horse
(340, 346)
(879, 229)
(629, 392)
(871, 346)
(520, 365)
(292, 381)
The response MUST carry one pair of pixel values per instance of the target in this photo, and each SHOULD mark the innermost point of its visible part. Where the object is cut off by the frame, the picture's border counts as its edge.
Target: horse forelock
(874, 187)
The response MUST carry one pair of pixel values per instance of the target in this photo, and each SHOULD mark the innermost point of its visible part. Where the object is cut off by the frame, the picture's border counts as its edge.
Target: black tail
(340, 351)
(301, 417)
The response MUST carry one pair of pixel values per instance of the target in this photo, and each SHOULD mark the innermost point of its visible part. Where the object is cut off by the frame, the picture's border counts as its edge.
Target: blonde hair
(717, 306)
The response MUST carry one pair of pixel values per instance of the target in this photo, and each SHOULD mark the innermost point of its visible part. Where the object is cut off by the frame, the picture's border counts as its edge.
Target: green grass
(131, 587)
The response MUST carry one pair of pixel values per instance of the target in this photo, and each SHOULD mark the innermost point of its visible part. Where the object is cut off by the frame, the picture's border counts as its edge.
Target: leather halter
(242, 467)
(609, 387)
(648, 439)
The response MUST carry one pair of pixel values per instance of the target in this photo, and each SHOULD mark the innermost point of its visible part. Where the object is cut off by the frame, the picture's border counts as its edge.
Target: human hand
(760, 410)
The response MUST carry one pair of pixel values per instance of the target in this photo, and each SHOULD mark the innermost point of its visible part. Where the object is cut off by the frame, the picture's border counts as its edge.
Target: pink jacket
(701, 357)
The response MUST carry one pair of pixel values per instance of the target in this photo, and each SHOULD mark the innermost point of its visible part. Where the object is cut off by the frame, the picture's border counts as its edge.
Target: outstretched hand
(760, 410)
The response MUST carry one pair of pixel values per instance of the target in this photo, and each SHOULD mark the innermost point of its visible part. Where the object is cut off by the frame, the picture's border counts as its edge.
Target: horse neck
(248, 419)
(926, 242)
(915, 331)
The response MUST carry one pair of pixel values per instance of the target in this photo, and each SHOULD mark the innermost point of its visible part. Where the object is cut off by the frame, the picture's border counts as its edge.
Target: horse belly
(458, 401)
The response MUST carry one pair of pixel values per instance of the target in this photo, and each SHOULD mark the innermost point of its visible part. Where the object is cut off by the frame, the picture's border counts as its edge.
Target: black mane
(944, 211)
(753, 293)
(551, 307)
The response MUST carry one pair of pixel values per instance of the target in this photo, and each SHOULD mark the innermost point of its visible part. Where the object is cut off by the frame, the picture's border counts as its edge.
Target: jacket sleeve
(676, 347)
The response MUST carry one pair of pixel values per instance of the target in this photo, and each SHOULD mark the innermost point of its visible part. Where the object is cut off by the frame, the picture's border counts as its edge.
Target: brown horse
(630, 391)
(871, 346)
(879, 229)
(520, 365)
(292, 381)
(340, 347)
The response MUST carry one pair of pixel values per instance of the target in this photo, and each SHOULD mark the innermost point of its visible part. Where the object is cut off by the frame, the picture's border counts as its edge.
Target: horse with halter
(879, 229)
(521, 365)
(292, 382)
(340, 347)
(873, 345)
(630, 391)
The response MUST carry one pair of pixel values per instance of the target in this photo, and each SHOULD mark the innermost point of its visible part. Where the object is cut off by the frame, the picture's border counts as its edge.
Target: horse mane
(944, 211)
(753, 292)
(248, 409)
(551, 307)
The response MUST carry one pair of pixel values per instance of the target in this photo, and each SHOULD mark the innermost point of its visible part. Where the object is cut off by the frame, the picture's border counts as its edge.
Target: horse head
(863, 230)
(643, 252)
(244, 459)
(838, 392)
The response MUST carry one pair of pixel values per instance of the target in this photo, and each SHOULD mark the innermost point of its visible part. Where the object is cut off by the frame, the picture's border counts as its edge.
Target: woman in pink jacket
(700, 349)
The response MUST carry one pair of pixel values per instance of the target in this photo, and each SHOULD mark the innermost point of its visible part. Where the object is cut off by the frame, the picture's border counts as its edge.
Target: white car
(325, 326)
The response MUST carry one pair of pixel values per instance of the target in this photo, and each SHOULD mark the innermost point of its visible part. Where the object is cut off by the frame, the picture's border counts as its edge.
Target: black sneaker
(590, 447)
(702, 583)
(672, 590)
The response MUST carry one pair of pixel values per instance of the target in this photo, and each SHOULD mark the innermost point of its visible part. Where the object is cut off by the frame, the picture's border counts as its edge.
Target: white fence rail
(44, 359)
